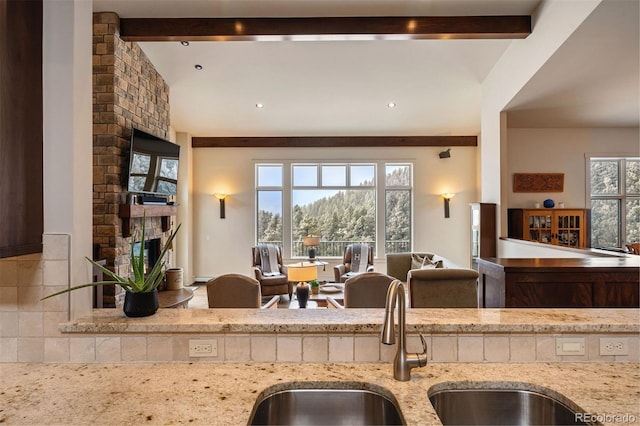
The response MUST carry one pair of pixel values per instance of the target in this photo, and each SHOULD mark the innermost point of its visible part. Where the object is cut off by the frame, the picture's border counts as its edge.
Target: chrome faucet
(403, 362)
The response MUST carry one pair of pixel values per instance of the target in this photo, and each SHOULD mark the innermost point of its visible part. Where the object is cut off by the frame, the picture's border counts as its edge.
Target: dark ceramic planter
(140, 304)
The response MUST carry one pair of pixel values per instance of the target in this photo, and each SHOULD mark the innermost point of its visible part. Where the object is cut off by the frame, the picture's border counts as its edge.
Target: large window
(340, 202)
(615, 201)
(269, 184)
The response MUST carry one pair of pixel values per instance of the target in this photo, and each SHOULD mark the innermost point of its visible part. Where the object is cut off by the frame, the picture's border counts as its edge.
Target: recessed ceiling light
(391, 105)
(259, 105)
(184, 43)
(198, 67)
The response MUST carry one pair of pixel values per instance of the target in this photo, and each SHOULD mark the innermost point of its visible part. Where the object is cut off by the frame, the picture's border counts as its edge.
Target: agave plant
(139, 282)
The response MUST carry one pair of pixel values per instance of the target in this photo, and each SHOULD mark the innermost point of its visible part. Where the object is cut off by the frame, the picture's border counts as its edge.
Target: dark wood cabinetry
(483, 231)
(561, 227)
(21, 159)
(599, 282)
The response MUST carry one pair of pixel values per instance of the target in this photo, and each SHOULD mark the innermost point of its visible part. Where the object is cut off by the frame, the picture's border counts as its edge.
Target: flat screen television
(153, 165)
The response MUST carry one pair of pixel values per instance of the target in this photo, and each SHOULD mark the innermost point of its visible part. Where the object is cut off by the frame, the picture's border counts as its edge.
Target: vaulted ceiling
(344, 87)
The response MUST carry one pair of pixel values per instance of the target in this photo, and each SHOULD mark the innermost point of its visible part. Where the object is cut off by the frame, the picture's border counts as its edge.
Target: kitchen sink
(475, 406)
(326, 406)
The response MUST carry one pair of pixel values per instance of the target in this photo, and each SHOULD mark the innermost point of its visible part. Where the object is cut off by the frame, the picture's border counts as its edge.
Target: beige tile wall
(28, 325)
(296, 348)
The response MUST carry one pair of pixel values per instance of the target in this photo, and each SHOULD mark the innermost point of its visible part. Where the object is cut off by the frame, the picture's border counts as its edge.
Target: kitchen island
(224, 393)
(594, 282)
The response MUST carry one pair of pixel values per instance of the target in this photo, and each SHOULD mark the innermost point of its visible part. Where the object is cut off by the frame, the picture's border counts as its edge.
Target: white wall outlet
(202, 348)
(614, 346)
(570, 346)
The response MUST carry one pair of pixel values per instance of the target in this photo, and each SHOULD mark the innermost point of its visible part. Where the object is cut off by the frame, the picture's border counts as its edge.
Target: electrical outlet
(614, 346)
(202, 348)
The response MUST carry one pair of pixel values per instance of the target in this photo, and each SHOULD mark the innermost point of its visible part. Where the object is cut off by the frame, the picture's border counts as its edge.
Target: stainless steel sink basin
(326, 407)
(501, 407)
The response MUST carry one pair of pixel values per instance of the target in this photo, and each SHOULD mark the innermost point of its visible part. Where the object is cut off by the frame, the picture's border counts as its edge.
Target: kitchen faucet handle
(424, 344)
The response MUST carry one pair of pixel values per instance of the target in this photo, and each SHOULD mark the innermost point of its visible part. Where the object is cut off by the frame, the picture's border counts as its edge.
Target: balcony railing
(336, 248)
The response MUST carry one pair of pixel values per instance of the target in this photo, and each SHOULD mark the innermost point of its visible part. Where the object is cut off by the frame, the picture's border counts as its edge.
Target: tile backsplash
(28, 325)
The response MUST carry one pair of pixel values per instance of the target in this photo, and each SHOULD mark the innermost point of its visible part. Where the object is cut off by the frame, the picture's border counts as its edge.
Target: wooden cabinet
(21, 160)
(483, 231)
(561, 227)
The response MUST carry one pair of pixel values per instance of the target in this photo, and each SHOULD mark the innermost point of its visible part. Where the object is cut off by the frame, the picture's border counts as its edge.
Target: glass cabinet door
(540, 227)
(568, 228)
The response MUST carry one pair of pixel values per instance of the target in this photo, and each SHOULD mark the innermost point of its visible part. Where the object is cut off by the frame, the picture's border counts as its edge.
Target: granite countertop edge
(101, 321)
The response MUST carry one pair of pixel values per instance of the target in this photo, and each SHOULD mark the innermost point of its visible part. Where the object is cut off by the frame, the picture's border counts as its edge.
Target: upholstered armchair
(237, 291)
(366, 290)
(443, 288)
(350, 265)
(271, 284)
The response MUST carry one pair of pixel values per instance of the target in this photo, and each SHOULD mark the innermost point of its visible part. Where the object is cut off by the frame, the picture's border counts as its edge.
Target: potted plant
(315, 286)
(141, 290)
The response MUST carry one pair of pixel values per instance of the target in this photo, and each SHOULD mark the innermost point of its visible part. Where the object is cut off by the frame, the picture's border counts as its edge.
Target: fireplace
(151, 252)
(112, 296)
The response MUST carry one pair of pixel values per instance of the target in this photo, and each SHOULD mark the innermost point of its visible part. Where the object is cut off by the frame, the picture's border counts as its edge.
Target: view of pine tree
(269, 227)
(605, 212)
(345, 216)
(604, 226)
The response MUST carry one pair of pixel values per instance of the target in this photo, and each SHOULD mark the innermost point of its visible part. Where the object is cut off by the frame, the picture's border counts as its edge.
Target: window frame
(621, 197)
(379, 187)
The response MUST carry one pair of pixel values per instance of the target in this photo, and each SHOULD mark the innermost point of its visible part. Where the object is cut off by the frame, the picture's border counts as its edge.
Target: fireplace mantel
(130, 211)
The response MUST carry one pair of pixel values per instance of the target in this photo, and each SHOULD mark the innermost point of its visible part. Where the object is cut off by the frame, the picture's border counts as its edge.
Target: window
(269, 203)
(337, 201)
(397, 208)
(615, 201)
(324, 204)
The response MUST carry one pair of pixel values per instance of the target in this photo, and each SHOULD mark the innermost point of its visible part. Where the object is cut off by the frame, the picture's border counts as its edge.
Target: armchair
(357, 258)
(366, 290)
(443, 288)
(271, 284)
(237, 291)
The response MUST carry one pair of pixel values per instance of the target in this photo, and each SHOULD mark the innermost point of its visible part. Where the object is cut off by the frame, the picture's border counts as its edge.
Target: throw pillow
(431, 263)
(439, 261)
(417, 261)
(428, 265)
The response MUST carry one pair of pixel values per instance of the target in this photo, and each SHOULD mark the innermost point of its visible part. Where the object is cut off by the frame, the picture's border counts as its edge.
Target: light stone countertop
(360, 321)
(224, 394)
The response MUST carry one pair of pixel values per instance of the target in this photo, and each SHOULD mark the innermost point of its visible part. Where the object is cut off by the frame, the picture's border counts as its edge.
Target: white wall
(224, 245)
(67, 127)
(562, 151)
(553, 23)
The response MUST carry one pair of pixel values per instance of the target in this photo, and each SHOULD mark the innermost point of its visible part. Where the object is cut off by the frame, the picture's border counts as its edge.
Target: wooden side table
(175, 298)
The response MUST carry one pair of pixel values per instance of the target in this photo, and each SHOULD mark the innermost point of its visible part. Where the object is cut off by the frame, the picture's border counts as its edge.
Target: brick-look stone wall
(127, 92)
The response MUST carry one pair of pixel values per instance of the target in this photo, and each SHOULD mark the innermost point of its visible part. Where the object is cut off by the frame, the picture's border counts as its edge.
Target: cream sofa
(449, 286)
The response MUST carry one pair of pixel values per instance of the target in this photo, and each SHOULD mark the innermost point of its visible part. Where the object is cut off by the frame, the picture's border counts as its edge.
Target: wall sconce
(447, 197)
(221, 198)
(445, 154)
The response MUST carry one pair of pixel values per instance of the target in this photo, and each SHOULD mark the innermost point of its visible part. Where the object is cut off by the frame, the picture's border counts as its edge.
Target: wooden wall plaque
(538, 182)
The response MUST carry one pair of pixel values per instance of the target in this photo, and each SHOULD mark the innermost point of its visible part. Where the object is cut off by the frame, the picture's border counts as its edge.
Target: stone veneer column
(127, 92)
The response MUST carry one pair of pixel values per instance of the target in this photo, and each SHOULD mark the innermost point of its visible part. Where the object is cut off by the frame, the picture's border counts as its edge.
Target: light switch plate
(570, 346)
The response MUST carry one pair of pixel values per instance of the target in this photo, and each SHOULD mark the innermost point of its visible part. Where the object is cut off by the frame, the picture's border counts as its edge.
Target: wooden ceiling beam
(331, 141)
(325, 28)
